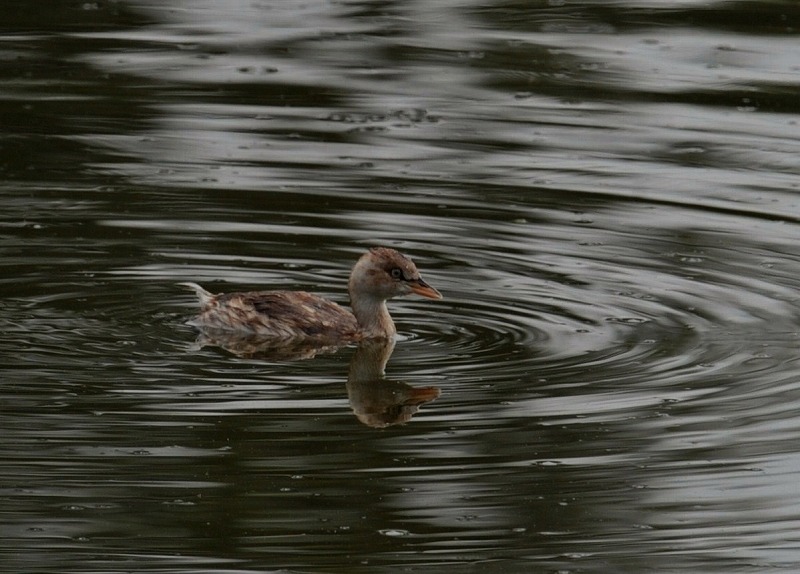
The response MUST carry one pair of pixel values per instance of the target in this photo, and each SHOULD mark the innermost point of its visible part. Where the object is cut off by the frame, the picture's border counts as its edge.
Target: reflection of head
(390, 402)
(376, 401)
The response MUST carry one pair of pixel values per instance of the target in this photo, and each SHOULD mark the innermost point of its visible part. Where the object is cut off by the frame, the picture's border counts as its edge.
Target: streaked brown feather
(281, 314)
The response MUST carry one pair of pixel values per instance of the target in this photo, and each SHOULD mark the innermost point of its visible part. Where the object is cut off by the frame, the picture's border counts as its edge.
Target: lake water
(606, 193)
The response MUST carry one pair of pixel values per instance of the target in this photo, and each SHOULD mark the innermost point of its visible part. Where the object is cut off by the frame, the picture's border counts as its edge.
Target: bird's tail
(204, 295)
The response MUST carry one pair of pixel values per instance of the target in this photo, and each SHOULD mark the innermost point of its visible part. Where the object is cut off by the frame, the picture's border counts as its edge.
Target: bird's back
(278, 314)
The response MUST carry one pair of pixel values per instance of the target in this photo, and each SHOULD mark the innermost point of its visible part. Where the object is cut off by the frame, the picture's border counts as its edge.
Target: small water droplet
(394, 532)
(627, 320)
(178, 502)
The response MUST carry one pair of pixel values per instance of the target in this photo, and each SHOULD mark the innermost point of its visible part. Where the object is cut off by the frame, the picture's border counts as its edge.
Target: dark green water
(606, 193)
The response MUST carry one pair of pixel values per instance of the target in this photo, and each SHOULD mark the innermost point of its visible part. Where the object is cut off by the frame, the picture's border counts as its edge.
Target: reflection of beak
(422, 395)
(419, 287)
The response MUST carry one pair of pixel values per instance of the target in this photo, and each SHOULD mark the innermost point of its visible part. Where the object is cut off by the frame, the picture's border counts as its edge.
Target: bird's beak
(419, 287)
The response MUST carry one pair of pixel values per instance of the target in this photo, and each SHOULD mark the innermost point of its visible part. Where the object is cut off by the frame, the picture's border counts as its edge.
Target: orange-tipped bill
(419, 287)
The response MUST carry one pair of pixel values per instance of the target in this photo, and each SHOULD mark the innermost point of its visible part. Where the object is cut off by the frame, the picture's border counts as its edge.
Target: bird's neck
(372, 316)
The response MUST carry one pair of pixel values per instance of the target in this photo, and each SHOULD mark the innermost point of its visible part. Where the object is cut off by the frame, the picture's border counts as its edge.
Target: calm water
(606, 193)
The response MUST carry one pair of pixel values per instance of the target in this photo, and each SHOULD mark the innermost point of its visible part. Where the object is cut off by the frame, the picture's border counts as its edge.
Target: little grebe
(379, 274)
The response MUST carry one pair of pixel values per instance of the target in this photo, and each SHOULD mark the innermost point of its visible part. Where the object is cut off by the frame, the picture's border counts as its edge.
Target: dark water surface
(606, 193)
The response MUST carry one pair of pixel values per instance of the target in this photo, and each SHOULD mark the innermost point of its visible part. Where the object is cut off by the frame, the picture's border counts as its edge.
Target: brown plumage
(379, 275)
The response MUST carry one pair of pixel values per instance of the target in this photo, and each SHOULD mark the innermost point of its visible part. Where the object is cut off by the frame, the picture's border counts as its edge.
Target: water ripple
(605, 193)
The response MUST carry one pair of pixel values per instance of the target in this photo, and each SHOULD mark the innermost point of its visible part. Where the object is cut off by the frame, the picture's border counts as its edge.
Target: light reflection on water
(606, 195)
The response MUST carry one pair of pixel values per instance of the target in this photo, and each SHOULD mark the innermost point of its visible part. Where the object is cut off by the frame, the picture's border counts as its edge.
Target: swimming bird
(379, 275)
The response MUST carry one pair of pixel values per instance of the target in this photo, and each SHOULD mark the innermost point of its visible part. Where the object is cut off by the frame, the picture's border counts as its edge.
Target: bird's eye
(397, 273)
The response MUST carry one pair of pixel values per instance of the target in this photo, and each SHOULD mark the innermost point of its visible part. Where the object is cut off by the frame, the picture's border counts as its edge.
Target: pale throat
(372, 316)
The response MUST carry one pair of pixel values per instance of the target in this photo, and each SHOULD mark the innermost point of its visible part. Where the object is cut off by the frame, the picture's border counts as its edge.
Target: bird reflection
(377, 401)
(253, 346)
